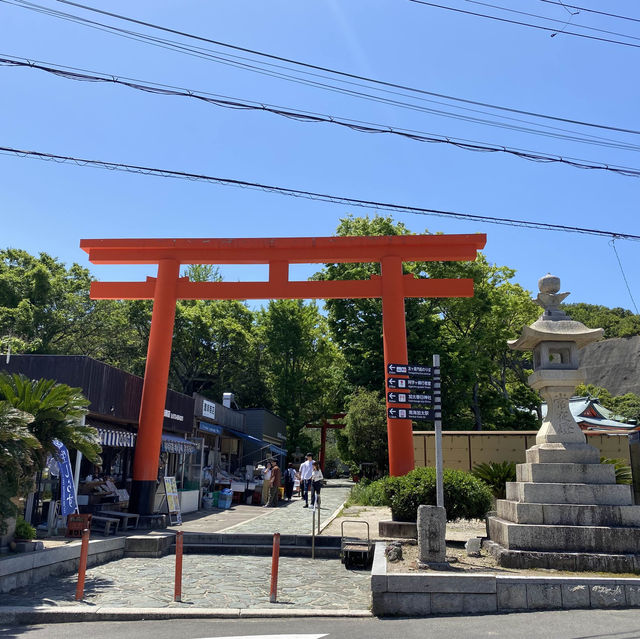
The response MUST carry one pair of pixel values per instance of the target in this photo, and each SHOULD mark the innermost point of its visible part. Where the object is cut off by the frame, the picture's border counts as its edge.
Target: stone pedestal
(432, 527)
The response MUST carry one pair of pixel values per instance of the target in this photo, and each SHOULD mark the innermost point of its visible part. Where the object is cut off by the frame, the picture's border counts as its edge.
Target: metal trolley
(356, 552)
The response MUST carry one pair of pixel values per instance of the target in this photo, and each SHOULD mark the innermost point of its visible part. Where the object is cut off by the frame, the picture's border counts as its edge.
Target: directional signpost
(422, 378)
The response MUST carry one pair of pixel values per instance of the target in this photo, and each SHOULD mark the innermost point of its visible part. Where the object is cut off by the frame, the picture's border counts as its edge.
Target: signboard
(395, 397)
(76, 524)
(210, 428)
(411, 369)
(173, 501)
(421, 384)
(413, 413)
(208, 409)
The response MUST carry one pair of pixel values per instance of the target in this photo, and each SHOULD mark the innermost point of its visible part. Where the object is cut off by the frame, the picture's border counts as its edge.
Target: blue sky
(50, 207)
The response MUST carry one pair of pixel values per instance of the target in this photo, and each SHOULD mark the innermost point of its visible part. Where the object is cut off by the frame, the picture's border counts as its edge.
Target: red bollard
(82, 567)
(177, 593)
(275, 560)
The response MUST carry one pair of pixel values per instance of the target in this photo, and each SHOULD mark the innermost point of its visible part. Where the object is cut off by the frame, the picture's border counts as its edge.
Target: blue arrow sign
(399, 383)
(397, 397)
(413, 413)
(412, 369)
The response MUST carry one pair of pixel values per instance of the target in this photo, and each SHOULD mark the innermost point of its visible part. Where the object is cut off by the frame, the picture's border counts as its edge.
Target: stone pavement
(209, 581)
(288, 518)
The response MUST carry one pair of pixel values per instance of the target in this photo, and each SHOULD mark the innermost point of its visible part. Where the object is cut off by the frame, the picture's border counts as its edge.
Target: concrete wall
(462, 450)
(30, 567)
(431, 593)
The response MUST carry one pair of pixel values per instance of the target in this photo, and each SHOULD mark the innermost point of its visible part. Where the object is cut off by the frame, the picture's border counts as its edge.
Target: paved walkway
(209, 581)
(287, 518)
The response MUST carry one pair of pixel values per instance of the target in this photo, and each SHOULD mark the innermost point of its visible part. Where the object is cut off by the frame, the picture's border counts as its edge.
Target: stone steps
(597, 539)
(569, 493)
(568, 514)
(566, 473)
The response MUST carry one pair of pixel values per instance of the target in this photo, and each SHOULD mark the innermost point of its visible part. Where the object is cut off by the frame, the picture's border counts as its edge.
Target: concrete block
(608, 596)
(575, 596)
(432, 524)
(379, 583)
(543, 596)
(8, 583)
(579, 539)
(563, 454)
(398, 529)
(566, 473)
(439, 583)
(472, 604)
(511, 596)
(445, 603)
(394, 604)
(569, 493)
(11, 565)
(633, 595)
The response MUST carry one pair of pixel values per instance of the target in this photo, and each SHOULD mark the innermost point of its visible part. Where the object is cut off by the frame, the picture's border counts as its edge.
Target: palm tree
(57, 411)
(17, 463)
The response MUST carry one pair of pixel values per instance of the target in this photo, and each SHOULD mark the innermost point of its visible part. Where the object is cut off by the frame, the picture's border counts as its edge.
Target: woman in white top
(266, 480)
(316, 484)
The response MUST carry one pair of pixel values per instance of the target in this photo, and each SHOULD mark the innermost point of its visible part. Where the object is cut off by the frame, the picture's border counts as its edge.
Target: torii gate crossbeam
(169, 254)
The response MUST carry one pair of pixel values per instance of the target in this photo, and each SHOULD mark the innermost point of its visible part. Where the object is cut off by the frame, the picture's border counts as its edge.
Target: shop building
(114, 408)
(266, 436)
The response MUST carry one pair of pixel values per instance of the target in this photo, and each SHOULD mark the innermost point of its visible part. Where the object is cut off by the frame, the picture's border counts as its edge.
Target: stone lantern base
(566, 512)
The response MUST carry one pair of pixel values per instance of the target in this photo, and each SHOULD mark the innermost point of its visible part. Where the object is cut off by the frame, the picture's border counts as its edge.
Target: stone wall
(439, 593)
(28, 568)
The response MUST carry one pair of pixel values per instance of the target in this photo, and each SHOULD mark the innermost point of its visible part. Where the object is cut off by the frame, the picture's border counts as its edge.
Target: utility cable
(564, 22)
(523, 24)
(353, 76)
(312, 195)
(612, 244)
(602, 13)
(73, 73)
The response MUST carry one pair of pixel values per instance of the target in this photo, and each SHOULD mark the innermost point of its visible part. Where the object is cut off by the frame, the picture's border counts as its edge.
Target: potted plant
(23, 537)
(354, 470)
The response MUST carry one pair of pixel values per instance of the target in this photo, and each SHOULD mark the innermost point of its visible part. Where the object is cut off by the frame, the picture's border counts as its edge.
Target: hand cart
(356, 552)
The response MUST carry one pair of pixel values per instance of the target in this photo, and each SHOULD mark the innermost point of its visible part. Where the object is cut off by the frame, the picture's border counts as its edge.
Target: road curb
(29, 615)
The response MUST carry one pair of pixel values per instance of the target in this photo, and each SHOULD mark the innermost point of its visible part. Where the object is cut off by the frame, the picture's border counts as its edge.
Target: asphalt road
(566, 624)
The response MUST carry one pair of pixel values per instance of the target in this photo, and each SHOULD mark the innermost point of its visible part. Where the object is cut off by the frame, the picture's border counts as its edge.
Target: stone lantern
(555, 339)
(565, 511)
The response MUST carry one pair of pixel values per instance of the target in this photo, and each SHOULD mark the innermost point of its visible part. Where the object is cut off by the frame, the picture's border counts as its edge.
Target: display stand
(173, 501)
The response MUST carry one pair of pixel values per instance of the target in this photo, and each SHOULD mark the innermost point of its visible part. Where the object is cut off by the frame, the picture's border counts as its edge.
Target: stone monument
(565, 511)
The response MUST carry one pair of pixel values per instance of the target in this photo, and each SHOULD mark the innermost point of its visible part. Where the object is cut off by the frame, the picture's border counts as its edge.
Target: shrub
(623, 471)
(465, 496)
(24, 530)
(496, 475)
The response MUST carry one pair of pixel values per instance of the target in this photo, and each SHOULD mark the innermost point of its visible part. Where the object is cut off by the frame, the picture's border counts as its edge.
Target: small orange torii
(325, 424)
(169, 254)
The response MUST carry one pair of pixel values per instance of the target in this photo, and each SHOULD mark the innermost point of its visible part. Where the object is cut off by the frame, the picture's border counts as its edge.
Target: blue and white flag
(68, 504)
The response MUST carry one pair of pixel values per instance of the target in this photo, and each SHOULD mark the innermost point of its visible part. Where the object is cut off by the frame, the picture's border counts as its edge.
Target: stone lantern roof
(554, 325)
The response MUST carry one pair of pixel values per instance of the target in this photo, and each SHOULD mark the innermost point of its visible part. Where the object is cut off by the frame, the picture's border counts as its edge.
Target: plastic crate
(215, 496)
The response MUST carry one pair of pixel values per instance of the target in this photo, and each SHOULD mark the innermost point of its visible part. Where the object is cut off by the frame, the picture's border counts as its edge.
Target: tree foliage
(617, 322)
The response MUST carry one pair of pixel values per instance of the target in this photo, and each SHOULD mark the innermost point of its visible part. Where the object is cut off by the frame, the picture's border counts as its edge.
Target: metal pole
(177, 591)
(275, 560)
(318, 509)
(82, 567)
(437, 406)
(313, 534)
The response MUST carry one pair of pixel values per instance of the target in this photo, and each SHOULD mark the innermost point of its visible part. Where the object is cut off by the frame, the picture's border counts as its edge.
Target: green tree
(617, 322)
(17, 445)
(365, 433)
(57, 411)
(303, 369)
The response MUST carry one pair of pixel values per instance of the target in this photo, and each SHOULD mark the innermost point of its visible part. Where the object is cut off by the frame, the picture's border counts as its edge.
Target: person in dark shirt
(289, 480)
(274, 488)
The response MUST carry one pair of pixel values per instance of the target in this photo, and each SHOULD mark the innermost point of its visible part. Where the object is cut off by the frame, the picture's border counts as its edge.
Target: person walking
(274, 488)
(306, 469)
(266, 483)
(289, 479)
(316, 485)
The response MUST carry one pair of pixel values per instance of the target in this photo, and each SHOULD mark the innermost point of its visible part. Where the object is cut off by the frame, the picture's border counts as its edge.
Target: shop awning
(116, 437)
(178, 445)
(276, 450)
(251, 438)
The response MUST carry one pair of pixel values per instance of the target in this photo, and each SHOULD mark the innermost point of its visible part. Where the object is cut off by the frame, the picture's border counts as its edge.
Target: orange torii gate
(169, 254)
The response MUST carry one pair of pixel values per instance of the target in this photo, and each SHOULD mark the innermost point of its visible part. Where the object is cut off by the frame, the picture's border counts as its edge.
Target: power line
(73, 73)
(312, 195)
(602, 13)
(564, 22)
(32, 6)
(612, 244)
(523, 24)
